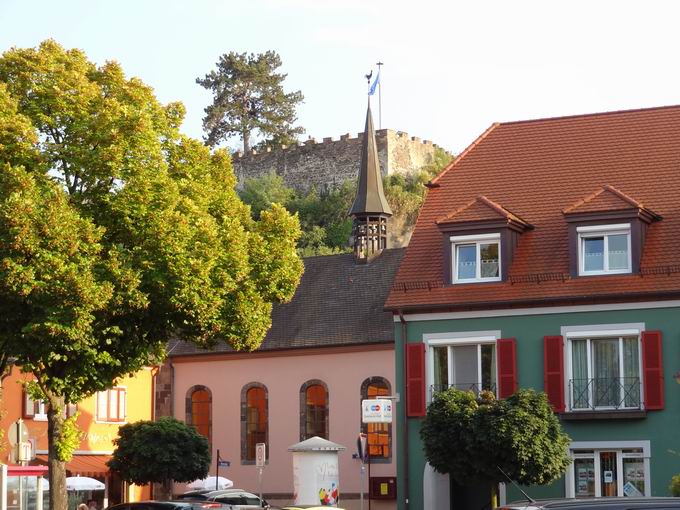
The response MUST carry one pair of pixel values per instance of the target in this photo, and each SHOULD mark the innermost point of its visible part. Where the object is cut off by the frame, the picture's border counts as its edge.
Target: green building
(547, 256)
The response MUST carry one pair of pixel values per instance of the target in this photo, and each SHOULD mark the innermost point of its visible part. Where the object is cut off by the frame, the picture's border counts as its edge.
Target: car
(167, 505)
(623, 503)
(238, 499)
(307, 507)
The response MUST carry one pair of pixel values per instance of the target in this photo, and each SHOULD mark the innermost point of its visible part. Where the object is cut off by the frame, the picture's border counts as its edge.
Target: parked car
(239, 499)
(596, 504)
(167, 505)
(195, 494)
(306, 507)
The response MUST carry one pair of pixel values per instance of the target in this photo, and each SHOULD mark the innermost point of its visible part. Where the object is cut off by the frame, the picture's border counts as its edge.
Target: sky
(451, 68)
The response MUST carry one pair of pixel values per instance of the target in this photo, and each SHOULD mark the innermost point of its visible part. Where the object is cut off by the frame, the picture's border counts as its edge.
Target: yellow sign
(384, 489)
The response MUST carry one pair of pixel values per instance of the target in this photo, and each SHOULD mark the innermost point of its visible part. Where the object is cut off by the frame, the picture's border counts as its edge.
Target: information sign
(376, 410)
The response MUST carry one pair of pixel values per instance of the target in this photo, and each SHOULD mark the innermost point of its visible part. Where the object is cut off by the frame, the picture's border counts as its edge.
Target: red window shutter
(507, 367)
(652, 362)
(415, 379)
(553, 371)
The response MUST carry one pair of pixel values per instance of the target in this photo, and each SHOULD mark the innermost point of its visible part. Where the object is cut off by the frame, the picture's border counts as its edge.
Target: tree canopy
(117, 232)
(156, 451)
(470, 438)
(248, 98)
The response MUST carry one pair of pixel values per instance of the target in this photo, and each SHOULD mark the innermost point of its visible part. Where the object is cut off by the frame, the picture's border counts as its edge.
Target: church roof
(370, 198)
(338, 302)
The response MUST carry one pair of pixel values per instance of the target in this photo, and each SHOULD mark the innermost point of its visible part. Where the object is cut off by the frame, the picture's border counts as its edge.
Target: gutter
(404, 453)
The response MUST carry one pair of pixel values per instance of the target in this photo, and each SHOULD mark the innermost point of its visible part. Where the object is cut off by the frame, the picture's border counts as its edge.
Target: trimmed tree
(117, 232)
(160, 451)
(248, 97)
(471, 437)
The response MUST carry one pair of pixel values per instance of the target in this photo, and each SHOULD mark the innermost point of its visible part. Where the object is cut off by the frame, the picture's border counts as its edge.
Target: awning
(83, 465)
(26, 470)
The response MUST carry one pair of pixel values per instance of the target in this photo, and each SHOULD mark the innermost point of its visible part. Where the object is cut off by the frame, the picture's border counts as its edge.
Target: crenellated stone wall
(330, 162)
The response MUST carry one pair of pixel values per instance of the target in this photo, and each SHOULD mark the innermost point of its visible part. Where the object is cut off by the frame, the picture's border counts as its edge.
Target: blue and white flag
(374, 85)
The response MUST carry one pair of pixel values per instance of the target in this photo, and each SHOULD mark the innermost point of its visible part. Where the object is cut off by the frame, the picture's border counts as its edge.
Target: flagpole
(379, 64)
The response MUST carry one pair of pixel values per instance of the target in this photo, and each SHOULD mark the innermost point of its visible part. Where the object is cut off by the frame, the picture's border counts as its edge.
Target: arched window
(313, 410)
(199, 410)
(254, 420)
(378, 435)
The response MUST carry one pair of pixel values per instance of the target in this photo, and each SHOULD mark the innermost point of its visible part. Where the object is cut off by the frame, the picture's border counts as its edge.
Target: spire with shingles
(370, 210)
(370, 198)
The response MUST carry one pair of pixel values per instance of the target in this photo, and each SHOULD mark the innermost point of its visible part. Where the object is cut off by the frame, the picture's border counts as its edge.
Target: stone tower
(370, 209)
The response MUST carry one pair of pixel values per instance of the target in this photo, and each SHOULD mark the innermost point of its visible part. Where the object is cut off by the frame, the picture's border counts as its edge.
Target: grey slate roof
(370, 197)
(337, 302)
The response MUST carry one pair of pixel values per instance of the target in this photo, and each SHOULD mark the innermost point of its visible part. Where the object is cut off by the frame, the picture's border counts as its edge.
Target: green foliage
(70, 438)
(155, 451)
(117, 232)
(674, 487)
(261, 192)
(248, 97)
(470, 437)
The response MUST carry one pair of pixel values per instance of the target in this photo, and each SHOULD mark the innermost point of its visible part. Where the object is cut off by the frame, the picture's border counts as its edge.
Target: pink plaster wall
(283, 376)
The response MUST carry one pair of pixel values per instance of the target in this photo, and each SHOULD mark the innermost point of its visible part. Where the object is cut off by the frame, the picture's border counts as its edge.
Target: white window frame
(476, 240)
(107, 393)
(608, 446)
(478, 338)
(603, 231)
(41, 415)
(593, 332)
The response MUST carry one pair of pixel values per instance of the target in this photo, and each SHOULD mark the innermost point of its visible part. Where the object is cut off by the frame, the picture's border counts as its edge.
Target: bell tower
(370, 210)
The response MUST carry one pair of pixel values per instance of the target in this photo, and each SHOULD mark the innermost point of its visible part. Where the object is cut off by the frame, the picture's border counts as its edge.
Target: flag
(374, 85)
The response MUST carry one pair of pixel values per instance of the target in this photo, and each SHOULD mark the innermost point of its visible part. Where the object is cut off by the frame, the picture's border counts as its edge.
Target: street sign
(17, 432)
(25, 451)
(260, 454)
(376, 410)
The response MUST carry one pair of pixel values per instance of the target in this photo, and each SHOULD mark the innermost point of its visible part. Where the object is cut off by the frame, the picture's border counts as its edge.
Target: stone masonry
(331, 162)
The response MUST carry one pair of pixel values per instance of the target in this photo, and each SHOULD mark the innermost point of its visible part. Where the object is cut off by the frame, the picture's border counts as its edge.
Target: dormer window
(479, 241)
(476, 258)
(604, 249)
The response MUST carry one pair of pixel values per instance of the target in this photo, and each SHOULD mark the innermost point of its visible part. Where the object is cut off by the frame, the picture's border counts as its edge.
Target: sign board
(223, 463)
(608, 477)
(25, 451)
(17, 433)
(631, 491)
(260, 454)
(376, 410)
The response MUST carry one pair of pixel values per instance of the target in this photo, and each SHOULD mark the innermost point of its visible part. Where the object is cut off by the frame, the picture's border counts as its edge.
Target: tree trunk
(57, 474)
(164, 491)
(246, 141)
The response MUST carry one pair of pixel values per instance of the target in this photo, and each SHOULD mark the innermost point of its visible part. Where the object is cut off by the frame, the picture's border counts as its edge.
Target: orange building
(99, 418)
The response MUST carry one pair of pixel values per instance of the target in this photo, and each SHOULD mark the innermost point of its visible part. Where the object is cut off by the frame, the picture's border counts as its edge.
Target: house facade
(99, 418)
(544, 257)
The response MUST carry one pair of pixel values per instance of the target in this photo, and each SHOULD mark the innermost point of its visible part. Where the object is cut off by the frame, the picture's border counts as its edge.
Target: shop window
(608, 472)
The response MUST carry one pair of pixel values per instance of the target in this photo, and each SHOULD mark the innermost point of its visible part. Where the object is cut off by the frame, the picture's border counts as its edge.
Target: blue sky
(451, 68)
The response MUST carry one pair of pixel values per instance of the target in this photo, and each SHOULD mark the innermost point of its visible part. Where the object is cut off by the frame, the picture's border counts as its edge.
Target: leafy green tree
(470, 438)
(260, 193)
(674, 487)
(117, 232)
(160, 451)
(248, 97)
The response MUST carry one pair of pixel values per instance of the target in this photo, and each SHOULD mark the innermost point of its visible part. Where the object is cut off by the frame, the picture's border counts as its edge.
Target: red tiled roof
(542, 170)
(479, 209)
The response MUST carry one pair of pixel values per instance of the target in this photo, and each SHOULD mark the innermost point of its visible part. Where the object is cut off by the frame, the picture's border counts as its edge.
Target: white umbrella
(83, 483)
(211, 483)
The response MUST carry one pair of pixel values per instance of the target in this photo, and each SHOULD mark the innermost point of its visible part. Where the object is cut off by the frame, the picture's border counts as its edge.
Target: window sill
(626, 414)
(104, 422)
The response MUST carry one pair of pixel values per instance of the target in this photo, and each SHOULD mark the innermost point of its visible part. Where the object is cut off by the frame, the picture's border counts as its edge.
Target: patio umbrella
(211, 483)
(83, 483)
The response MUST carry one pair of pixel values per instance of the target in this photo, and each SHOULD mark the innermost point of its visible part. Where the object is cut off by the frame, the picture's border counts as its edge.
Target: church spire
(370, 209)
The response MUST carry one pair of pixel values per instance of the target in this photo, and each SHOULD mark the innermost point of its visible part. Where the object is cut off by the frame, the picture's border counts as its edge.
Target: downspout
(404, 337)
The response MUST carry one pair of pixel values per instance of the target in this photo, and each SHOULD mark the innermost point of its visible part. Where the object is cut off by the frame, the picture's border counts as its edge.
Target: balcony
(605, 394)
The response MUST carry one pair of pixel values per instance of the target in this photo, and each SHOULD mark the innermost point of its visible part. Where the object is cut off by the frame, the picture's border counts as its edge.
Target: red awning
(83, 465)
(26, 470)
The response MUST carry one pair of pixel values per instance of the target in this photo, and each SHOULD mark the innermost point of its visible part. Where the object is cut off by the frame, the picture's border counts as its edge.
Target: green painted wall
(662, 428)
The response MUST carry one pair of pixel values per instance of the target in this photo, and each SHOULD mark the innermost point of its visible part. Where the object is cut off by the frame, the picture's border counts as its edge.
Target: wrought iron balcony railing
(605, 393)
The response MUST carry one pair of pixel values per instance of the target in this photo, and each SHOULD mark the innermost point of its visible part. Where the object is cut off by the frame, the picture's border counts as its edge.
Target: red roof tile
(540, 170)
(479, 209)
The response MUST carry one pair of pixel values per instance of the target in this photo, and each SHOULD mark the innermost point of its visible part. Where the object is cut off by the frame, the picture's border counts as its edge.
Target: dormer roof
(610, 199)
(483, 210)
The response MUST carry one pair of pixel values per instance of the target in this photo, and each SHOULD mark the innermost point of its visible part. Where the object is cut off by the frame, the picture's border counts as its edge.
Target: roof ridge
(605, 187)
(586, 115)
(476, 142)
